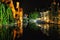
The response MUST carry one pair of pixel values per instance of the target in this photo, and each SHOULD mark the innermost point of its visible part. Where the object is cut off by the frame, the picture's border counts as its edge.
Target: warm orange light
(3, 0)
(19, 12)
(12, 7)
(17, 6)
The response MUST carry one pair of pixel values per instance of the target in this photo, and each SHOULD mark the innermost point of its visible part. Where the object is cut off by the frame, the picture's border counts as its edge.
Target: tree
(6, 17)
(34, 15)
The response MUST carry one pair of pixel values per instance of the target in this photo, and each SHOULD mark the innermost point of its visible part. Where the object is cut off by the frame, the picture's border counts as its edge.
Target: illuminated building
(18, 15)
(54, 13)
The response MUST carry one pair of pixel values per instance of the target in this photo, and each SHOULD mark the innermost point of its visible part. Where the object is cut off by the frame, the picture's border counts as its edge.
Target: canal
(48, 31)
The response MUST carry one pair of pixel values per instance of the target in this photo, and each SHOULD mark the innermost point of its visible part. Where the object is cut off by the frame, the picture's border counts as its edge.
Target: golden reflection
(46, 26)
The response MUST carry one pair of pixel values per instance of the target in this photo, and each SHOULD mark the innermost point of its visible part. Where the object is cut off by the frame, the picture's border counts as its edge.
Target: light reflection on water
(46, 27)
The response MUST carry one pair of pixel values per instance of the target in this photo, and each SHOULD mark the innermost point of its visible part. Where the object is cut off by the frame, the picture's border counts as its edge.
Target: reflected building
(51, 17)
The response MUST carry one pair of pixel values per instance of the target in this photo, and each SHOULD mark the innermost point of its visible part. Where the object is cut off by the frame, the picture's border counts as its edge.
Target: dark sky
(32, 4)
(35, 3)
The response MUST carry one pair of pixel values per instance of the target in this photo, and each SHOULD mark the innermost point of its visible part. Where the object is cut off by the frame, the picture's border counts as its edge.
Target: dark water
(39, 35)
(34, 35)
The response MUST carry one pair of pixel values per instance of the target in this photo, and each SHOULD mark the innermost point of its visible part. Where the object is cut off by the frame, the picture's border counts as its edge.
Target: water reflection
(48, 27)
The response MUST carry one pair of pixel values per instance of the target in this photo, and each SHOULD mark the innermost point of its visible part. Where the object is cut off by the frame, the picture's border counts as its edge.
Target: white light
(34, 20)
(39, 25)
(45, 18)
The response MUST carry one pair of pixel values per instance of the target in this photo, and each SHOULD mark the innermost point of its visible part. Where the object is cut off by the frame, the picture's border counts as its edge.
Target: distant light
(39, 25)
(34, 20)
(45, 18)
(17, 5)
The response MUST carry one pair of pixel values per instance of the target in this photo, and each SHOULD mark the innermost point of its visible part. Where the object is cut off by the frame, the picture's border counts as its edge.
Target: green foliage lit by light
(34, 15)
(33, 26)
(6, 16)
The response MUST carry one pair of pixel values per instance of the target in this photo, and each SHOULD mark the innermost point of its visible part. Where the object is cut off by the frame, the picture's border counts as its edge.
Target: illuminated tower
(54, 11)
(53, 8)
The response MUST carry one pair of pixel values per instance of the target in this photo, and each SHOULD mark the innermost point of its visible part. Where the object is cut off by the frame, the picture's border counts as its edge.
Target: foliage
(33, 15)
(6, 16)
(33, 26)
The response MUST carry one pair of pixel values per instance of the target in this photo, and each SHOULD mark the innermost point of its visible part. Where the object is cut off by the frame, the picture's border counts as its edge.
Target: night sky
(30, 5)
(35, 4)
